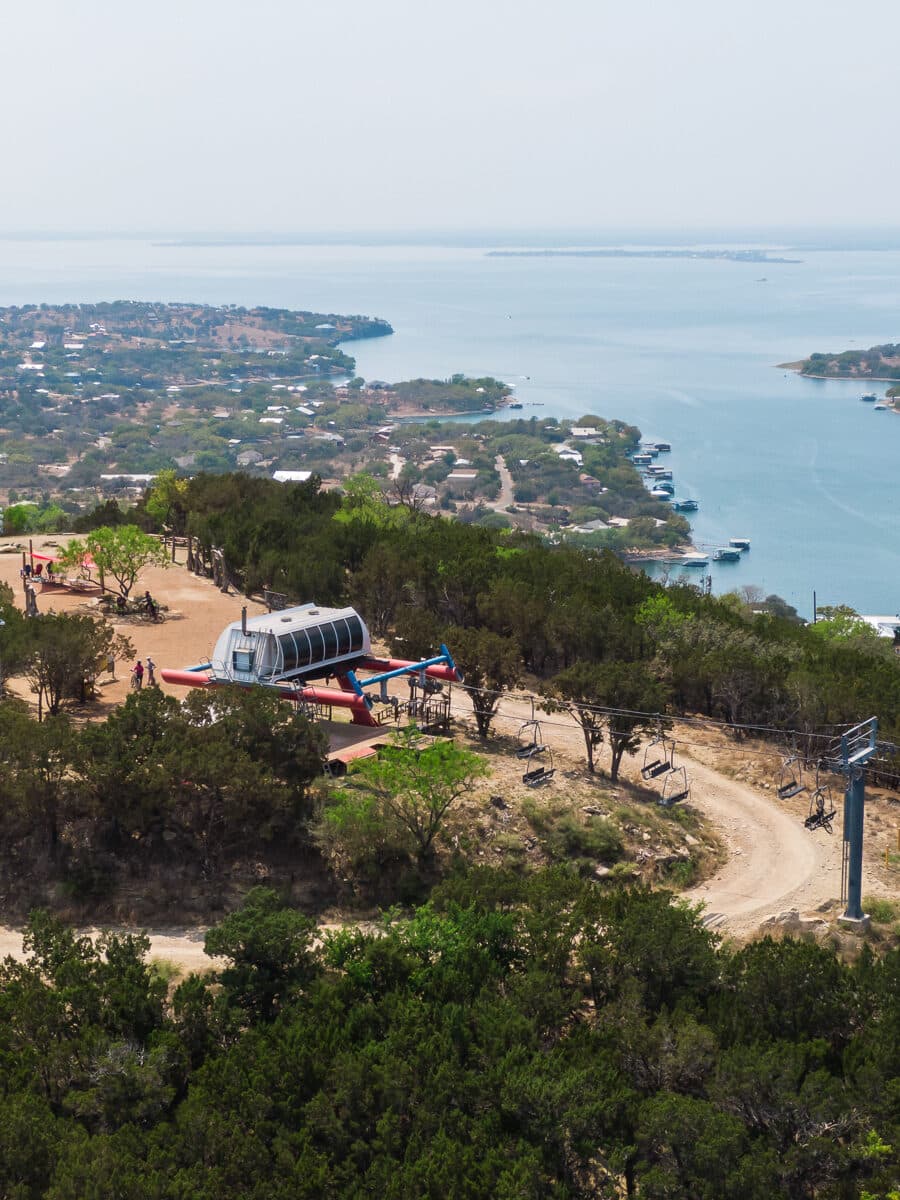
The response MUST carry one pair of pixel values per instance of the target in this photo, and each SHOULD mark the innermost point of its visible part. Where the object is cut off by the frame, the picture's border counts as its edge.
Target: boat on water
(739, 543)
(663, 447)
(642, 460)
(517, 405)
(695, 560)
(727, 554)
(881, 408)
(685, 505)
(660, 494)
(869, 397)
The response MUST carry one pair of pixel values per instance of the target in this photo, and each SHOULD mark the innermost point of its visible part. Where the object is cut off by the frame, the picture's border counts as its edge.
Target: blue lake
(685, 349)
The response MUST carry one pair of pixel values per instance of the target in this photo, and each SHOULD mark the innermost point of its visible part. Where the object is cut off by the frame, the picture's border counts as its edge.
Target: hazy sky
(408, 114)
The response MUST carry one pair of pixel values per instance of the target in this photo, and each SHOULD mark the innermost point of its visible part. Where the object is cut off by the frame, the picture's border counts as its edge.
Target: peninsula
(876, 363)
(96, 400)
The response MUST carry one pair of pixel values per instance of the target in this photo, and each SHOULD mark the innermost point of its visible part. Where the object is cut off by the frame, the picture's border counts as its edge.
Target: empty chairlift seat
(790, 779)
(676, 787)
(658, 757)
(539, 768)
(531, 740)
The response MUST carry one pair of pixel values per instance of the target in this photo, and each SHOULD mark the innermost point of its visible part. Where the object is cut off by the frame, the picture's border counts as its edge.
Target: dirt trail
(181, 946)
(773, 865)
(505, 498)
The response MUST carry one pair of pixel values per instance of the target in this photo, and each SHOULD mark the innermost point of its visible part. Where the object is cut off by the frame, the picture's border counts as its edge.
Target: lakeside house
(292, 476)
(567, 454)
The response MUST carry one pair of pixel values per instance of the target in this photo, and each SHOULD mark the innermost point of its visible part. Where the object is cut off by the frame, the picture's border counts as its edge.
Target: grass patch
(566, 835)
(881, 910)
(510, 846)
(165, 969)
(682, 874)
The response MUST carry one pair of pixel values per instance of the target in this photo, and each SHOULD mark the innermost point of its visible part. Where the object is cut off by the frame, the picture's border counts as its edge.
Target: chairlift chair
(676, 787)
(821, 811)
(540, 771)
(790, 781)
(530, 730)
(659, 757)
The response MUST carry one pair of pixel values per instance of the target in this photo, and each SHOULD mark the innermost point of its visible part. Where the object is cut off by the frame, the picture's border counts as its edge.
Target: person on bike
(151, 606)
(137, 676)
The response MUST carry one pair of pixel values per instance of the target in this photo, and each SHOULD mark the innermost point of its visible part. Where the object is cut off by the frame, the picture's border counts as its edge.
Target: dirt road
(181, 946)
(506, 485)
(774, 864)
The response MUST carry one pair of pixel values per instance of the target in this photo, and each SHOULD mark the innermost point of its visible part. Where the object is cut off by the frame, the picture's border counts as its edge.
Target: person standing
(151, 668)
(137, 676)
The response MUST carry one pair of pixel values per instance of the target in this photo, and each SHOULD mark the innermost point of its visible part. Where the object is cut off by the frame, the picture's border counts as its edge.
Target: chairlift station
(297, 643)
(292, 648)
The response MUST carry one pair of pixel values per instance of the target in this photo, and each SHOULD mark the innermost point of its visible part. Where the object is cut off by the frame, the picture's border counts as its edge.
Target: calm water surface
(684, 349)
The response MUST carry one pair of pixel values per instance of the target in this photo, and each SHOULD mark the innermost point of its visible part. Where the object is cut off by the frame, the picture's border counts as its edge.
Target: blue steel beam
(441, 660)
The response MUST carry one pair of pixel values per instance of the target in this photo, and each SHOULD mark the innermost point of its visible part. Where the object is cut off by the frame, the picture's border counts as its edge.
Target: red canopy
(88, 560)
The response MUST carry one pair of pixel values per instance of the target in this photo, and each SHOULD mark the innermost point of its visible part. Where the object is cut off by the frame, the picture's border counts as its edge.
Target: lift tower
(857, 747)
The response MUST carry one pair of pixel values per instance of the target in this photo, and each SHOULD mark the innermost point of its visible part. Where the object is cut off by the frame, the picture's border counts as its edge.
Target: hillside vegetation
(516, 1038)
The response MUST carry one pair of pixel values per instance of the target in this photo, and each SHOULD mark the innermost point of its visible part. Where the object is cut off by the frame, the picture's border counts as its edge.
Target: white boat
(739, 543)
(695, 560)
(881, 407)
(727, 554)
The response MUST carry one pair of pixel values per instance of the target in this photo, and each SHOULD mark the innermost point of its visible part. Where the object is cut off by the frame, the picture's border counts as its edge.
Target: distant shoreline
(756, 257)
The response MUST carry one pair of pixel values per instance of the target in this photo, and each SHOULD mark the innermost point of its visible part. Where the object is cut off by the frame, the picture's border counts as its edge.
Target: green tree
(587, 690)
(13, 636)
(63, 653)
(269, 948)
(165, 501)
(491, 665)
(120, 553)
(418, 785)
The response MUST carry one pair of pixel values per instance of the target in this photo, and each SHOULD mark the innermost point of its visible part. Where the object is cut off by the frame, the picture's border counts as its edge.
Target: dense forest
(515, 1038)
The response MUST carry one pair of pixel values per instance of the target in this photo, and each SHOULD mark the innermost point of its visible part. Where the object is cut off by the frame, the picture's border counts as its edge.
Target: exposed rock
(791, 922)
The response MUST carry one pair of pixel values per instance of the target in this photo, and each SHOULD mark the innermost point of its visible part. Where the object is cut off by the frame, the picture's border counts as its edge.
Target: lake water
(685, 349)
